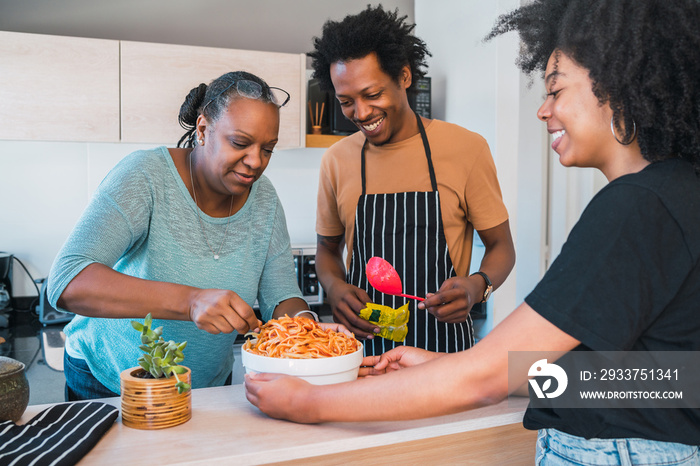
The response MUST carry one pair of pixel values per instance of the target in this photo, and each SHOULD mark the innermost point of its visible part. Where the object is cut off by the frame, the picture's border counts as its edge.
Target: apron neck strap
(426, 148)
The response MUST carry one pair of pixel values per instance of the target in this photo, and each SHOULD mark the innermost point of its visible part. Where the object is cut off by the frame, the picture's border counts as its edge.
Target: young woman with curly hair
(623, 96)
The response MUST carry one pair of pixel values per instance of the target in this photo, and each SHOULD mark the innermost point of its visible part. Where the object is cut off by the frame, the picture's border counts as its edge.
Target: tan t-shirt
(470, 196)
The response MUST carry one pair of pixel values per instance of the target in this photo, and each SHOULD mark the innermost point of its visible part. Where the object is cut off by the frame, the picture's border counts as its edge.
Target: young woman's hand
(222, 311)
(281, 396)
(395, 359)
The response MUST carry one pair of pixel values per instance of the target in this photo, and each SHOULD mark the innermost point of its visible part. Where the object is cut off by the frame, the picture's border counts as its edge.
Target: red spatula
(382, 276)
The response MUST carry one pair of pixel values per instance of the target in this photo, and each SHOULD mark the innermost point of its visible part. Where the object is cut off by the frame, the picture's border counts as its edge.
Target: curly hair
(212, 99)
(372, 30)
(643, 57)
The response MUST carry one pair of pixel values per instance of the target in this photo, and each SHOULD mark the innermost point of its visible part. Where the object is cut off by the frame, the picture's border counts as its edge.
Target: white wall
(478, 86)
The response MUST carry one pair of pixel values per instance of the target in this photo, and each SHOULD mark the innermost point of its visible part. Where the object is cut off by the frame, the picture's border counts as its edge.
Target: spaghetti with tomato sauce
(299, 338)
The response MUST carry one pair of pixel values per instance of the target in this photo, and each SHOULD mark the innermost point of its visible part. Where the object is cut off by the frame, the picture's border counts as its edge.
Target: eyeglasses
(253, 90)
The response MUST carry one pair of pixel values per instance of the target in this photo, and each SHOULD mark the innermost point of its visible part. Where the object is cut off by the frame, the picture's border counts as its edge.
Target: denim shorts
(82, 385)
(555, 448)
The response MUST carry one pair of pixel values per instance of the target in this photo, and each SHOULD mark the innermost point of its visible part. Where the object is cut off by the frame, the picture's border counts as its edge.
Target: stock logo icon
(542, 369)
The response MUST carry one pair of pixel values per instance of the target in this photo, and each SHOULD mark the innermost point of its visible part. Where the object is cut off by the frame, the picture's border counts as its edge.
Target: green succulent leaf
(137, 325)
(179, 369)
(182, 387)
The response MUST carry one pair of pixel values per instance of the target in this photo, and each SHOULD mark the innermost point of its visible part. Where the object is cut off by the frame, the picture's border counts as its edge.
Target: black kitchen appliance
(6, 301)
(318, 100)
(47, 313)
(419, 98)
(339, 124)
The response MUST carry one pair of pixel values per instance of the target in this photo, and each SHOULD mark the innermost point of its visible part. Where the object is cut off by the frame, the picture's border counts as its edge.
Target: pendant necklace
(201, 225)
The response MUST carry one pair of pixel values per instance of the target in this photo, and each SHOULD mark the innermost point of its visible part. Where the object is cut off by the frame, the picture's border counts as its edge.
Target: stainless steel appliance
(305, 267)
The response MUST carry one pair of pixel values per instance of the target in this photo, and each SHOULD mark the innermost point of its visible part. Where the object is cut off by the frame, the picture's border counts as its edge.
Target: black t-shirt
(628, 279)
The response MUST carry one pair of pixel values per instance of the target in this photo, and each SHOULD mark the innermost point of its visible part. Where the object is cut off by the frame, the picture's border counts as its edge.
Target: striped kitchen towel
(59, 435)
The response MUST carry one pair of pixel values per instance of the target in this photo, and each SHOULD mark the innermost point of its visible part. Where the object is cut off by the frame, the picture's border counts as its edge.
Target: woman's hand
(281, 396)
(395, 359)
(222, 311)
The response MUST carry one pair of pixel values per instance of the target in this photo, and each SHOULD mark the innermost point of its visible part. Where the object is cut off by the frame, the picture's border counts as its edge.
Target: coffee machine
(5, 281)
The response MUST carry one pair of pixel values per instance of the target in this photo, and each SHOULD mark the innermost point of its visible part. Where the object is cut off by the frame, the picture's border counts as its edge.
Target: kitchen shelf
(322, 140)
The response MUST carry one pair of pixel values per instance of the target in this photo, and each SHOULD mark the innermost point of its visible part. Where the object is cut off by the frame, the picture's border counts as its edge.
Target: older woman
(194, 235)
(623, 96)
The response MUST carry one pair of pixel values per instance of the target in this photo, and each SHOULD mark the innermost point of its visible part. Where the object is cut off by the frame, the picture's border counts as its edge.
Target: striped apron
(406, 230)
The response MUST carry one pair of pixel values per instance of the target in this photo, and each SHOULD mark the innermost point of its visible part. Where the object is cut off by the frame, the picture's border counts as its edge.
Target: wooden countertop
(226, 429)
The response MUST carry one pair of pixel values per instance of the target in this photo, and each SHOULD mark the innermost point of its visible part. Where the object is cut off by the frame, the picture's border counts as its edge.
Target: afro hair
(643, 57)
(372, 30)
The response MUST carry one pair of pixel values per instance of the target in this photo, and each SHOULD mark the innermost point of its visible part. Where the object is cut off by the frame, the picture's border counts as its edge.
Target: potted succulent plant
(157, 393)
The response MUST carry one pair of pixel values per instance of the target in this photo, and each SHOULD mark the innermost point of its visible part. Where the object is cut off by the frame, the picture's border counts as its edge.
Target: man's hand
(222, 311)
(455, 299)
(346, 303)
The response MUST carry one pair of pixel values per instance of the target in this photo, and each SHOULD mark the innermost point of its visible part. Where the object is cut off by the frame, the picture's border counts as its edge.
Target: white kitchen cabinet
(56, 88)
(156, 78)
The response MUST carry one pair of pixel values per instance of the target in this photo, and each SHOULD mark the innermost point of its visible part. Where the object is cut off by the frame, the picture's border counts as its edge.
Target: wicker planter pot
(154, 403)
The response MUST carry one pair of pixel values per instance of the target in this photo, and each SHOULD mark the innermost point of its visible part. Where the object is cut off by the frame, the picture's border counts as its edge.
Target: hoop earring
(634, 132)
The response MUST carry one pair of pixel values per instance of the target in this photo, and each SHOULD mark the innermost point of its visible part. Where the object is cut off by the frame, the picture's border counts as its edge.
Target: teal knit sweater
(143, 222)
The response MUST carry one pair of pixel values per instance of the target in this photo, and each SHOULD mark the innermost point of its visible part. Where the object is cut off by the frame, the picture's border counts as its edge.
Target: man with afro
(408, 189)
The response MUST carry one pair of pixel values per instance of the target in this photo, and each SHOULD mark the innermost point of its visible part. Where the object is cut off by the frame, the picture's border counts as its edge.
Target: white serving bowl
(318, 371)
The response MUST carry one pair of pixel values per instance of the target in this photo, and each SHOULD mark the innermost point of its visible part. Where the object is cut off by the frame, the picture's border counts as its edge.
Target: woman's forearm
(431, 389)
(99, 291)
